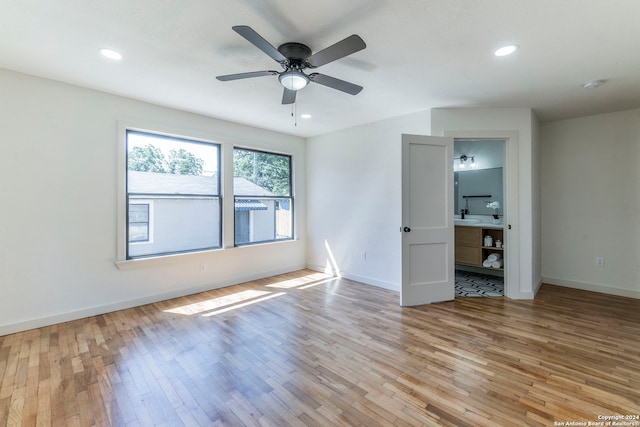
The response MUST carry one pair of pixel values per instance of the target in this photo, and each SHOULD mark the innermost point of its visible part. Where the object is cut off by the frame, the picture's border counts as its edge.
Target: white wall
(354, 180)
(591, 202)
(58, 222)
(525, 217)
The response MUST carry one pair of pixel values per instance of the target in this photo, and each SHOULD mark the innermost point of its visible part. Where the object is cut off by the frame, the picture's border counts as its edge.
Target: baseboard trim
(322, 269)
(537, 287)
(355, 277)
(122, 305)
(373, 282)
(592, 287)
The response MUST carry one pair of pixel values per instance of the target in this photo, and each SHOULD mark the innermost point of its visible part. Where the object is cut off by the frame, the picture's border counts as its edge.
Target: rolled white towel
(486, 263)
(496, 264)
(494, 256)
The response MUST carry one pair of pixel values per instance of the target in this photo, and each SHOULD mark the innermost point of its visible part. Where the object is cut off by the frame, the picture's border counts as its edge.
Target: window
(139, 222)
(173, 197)
(263, 197)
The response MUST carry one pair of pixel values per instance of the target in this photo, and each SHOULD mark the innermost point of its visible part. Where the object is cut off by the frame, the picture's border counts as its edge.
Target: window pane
(179, 179)
(138, 232)
(269, 173)
(181, 224)
(161, 165)
(263, 203)
(138, 213)
(284, 220)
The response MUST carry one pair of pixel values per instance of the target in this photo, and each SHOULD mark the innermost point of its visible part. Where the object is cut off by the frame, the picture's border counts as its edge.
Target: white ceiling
(420, 54)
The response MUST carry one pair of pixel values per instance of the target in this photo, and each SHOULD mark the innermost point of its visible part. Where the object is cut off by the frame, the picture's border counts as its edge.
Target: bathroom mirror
(475, 183)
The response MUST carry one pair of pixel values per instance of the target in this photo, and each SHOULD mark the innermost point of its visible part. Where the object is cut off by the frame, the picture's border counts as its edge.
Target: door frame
(511, 194)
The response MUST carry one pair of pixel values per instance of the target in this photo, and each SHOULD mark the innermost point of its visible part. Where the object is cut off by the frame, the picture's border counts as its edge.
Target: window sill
(153, 261)
(163, 260)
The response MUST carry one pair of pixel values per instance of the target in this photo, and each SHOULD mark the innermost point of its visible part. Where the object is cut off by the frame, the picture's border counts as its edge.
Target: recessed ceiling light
(110, 53)
(592, 84)
(506, 50)
(305, 116)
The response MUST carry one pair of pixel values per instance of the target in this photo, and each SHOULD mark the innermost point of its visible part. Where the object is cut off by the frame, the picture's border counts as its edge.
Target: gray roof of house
(244, 187)
(166, 183)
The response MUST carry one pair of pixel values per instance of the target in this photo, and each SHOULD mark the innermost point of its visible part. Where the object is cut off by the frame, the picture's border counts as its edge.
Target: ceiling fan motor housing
(296, 53)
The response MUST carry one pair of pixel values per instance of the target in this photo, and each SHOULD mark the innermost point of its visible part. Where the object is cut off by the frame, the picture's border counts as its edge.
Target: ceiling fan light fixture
(293, 79)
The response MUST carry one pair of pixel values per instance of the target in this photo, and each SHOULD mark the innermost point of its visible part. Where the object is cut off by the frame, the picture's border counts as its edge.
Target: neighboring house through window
(179, 178)
(263, 197)
(139, 222)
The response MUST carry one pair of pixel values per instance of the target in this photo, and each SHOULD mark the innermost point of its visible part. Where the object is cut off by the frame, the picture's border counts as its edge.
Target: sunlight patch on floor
(222, 304)
(298, 281)
(214, 303)
(316, 283)
(244, 304)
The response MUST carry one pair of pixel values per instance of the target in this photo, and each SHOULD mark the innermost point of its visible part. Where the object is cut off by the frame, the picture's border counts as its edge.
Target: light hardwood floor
(302, 349)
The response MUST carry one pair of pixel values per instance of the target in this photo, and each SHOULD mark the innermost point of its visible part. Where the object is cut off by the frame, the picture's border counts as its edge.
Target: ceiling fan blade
(289, 96)
(239, 76)
(259, 42)
(339, 50)
(334, 83)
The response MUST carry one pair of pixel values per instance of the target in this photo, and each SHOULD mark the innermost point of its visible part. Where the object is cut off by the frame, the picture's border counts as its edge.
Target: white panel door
(427, 220)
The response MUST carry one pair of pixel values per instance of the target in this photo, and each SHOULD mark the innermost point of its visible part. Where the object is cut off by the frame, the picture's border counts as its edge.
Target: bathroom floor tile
(478, 285)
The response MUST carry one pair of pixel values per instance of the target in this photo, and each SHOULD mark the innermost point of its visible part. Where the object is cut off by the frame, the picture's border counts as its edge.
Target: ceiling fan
(297, 57)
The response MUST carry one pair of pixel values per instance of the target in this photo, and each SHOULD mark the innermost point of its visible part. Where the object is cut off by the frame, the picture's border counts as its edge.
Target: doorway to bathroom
(479, 206)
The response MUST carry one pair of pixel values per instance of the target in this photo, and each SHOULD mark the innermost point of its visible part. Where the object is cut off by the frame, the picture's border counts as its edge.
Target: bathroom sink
(466, 221)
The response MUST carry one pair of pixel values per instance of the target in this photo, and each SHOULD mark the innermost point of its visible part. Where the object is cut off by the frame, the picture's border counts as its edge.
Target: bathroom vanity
(470, 246)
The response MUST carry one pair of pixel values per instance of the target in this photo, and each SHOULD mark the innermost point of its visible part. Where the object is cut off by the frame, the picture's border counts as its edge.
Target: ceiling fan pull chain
(294, 113)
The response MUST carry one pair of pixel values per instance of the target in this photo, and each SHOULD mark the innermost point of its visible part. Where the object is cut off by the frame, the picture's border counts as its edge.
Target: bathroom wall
(483, 182)
(488, 153)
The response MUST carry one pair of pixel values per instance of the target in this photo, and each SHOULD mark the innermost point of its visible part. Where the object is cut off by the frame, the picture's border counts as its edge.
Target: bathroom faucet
(462, 212)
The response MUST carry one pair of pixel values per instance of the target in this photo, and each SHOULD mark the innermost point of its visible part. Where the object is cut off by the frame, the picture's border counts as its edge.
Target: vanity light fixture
(463, 159)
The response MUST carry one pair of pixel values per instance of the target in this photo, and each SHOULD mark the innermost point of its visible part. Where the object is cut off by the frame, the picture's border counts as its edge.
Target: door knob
(406, 229)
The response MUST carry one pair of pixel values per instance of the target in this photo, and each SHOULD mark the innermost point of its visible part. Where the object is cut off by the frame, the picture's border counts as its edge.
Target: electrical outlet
(203, 267)
(600, 261)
